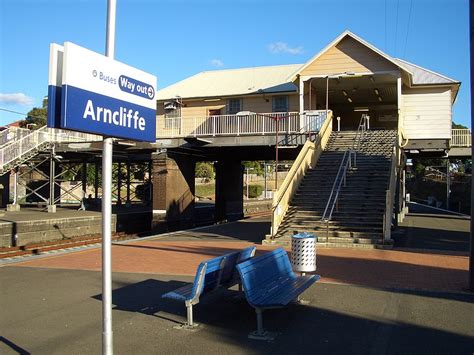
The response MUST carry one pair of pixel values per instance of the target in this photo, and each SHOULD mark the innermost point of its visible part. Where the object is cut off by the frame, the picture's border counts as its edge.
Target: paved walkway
(408, 301)
(180, 253)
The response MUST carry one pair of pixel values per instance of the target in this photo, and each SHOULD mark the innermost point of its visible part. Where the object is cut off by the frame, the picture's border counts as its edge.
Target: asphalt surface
(433, 229)
(50, 311)
(381, 303)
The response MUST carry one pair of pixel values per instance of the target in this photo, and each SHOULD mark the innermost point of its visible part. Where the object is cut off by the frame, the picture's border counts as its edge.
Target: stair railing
(390, 196)
(11, 134)
(21, 147)
(306, 159)
(344, 166)
(360, 134)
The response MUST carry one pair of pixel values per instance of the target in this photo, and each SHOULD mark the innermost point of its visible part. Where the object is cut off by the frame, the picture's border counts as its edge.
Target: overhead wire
(386, 49)
(408, 28)
(21, 113)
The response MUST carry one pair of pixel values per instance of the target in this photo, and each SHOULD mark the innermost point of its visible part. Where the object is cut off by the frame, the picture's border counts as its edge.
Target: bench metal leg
(260, 333)
(189, 322)
(189, 311)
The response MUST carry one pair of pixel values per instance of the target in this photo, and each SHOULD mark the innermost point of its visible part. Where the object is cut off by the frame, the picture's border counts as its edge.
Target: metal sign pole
(107, 152)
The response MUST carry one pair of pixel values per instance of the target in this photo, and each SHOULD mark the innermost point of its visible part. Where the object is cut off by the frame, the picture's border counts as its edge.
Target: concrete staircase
(357, 220)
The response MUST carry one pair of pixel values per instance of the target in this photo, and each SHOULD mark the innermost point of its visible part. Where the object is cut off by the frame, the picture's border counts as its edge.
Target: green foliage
(254, 190)
(205, 170)
(458, 126)
(254, 167)
(36, 117)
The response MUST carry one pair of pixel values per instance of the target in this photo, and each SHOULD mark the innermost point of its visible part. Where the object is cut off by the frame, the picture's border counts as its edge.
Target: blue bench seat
(269, 282)
(219, 272)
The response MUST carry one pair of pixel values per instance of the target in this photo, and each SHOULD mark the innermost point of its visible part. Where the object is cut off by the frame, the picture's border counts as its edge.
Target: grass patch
(205, 190)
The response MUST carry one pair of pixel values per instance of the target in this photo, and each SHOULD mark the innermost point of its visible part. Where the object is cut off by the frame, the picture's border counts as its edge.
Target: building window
(234, 106)
(280, 104)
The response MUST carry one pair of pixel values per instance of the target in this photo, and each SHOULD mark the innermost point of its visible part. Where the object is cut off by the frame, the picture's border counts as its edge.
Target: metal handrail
(306, 158)
(336, 187)
(360, 134)
(9, 135)
(243, 123)
(390, 196)
(346, 163)
(19, 148)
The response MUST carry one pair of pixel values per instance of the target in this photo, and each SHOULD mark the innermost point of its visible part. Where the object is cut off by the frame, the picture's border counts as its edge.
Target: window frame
(228, 106)
(274, 104)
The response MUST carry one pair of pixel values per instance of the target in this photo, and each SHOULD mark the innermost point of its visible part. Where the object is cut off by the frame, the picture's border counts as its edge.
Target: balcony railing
(240, 124)
(461, 137)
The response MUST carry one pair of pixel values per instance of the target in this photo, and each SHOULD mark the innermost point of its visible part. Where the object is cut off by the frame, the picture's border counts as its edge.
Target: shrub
(205, 171)
(254, 191)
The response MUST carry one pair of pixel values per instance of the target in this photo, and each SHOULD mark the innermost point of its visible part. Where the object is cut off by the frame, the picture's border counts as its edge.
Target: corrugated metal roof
(232, 82)
(422, 76)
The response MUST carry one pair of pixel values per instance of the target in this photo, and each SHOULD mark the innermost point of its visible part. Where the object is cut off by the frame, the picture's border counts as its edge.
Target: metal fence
(240, 124)
(25, 144)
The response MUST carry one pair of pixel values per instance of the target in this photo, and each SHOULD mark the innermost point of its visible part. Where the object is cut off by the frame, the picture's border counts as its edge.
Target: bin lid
(303, 235)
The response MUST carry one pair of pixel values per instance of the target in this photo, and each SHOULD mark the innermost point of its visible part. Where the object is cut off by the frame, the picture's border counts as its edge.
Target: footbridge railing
(461, 137)
(240, 124)
(12, 133)
(24, 147)
(306, 159)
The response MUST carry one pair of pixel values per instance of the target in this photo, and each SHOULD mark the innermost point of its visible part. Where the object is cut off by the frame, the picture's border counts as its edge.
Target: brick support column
(229, 190)
(173, 192)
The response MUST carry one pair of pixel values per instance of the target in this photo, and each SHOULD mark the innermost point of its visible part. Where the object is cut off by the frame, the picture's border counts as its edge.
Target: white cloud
(282, 47)
(217, 63)
(16, 99)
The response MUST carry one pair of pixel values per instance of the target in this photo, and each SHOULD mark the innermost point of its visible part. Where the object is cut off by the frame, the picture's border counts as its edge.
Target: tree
(458, 126)
(205, 170)
(36, 118)
(254, 167)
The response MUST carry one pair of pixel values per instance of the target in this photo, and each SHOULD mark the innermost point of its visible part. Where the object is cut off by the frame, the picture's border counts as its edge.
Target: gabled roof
(280, 78)
(230, 82)
(344, 34)
(422, 76)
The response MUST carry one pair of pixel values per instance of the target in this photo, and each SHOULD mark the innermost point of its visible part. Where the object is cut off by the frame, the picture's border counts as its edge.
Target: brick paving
(374, 268)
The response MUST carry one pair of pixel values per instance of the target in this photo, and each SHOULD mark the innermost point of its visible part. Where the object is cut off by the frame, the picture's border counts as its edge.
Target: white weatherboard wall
(427, 113)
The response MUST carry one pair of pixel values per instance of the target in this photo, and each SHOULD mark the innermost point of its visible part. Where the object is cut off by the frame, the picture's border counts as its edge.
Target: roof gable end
(348, 53)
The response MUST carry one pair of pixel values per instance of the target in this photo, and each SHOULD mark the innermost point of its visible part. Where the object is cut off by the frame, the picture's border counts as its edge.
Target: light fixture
(372, 79)
(211, 100)
(349, 99)
(380, 99)
(376, 91)
(361, 109)
(344, 92)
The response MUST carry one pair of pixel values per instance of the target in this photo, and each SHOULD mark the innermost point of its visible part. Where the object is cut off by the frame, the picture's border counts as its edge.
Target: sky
(176, 39)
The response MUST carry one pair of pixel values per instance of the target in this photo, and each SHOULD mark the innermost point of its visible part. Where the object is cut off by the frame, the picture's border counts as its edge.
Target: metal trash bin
(303, 252)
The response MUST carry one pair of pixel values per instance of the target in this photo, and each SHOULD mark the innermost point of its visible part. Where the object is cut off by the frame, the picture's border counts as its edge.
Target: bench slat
(264, 271)
(269, 280)
(214, 275)
(287, 292)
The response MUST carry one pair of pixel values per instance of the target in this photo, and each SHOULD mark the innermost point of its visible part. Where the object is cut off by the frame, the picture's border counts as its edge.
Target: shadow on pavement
(225, 321)
(250, 230)
(430, 238)
(17, 349)
(418, 272)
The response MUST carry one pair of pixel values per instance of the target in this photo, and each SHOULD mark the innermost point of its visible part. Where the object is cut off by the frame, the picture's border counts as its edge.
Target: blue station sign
(101, 96)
